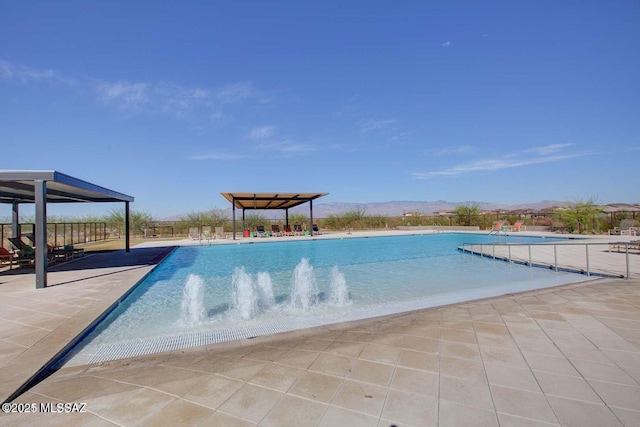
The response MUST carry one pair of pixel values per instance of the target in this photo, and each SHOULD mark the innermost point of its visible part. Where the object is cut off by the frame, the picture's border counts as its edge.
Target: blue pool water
(207, 294)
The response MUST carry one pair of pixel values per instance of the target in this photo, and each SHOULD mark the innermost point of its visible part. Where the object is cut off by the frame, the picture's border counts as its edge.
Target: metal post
(311, 217)
(555, 256)
(15, 222)
(494, 252)
(40, 189)
(586, 247)
(233, 209)
(509, 254)
(529, 255)
(628, 270)
(127, 242)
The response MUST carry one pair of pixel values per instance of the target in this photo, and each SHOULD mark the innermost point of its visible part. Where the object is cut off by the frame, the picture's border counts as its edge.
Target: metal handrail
(626, 246)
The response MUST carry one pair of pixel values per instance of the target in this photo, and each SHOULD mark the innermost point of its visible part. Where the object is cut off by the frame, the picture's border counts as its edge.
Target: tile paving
(568, 355)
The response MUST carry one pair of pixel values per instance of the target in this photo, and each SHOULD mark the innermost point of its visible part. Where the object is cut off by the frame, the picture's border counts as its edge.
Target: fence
(60, 234)
(539, 221)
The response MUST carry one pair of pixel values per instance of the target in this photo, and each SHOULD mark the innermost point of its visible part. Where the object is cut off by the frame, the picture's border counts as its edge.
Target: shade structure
(283, 201)
(42, 187)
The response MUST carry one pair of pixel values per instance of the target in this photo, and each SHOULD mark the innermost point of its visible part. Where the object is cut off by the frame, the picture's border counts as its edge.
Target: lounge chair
(275, 230)
(194, 234)
(19, 245)
(206, 233)
(61, 254)
(5, 256)
(297, 230)
(260, 231)
(516, 226)
(497, 226)
(315, 229)
(287, 231)
(627, 228)
(26, 254)
(220, 233)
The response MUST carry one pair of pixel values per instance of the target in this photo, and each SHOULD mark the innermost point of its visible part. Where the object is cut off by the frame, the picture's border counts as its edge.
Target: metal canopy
(17, 186)
(42, 187)
(283, 201)
(270, 200)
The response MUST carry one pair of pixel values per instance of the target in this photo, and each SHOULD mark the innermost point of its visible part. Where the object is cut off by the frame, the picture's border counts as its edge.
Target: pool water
(207, 294)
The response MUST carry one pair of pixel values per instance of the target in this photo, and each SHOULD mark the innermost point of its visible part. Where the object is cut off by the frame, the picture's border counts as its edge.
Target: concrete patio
(563, 356)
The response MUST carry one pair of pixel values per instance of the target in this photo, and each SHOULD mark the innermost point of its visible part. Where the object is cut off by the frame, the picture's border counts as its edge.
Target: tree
(581, 216)
(138, 220)
(468, 214)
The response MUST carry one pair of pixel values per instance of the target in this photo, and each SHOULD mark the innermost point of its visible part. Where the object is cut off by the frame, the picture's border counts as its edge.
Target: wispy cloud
(376, 125)
(452, 151)
(537, 155)
(175, 100)
(547, 149)
(223, 156)
(262, 132)
(446, 44)
(288, 147)
(26, 74)
(124, 95)
(164, 98)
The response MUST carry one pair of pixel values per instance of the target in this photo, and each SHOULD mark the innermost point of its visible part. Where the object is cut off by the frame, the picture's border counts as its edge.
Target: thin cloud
(26, 74)
(288, 147)
(548, 149)
(148, 97)
(446, 44)
(262, 132)
(223, 156)
(124, 95)
(452, 151)
(537, 155)
(376, 125)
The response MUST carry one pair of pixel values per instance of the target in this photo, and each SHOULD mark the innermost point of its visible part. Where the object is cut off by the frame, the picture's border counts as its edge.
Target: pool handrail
(617, 245)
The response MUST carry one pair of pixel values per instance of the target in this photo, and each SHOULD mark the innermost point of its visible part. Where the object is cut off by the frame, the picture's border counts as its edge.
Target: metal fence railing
(618, 259)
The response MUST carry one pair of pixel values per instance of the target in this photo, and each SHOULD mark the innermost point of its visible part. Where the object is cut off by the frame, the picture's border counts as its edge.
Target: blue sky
(174, 102)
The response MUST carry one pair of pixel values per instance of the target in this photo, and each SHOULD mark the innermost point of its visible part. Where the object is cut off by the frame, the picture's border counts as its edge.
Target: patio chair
(61, 254)
(194, 234)
(275, 230)
(220, 233)
(19, 245)
(297, 230)
(516, 226)
(5, 256)
(287, 231)
(206, 232)
(260, 231)
(315, 229)
(626, 228)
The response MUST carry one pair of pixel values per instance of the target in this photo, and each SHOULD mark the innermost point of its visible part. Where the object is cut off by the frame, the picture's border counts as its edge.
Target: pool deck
(568, 355)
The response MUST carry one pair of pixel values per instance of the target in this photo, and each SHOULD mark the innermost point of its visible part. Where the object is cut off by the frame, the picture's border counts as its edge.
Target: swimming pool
(208, 294)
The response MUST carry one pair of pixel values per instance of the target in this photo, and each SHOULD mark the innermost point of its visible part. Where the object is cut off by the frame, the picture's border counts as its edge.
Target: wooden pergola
(269, 201)
(43, 187)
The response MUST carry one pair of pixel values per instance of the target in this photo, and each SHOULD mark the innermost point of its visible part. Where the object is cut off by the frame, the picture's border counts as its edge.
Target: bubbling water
(244, 298)
(192, 309)
(339, 291)
(265, 290)
(304, 291)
